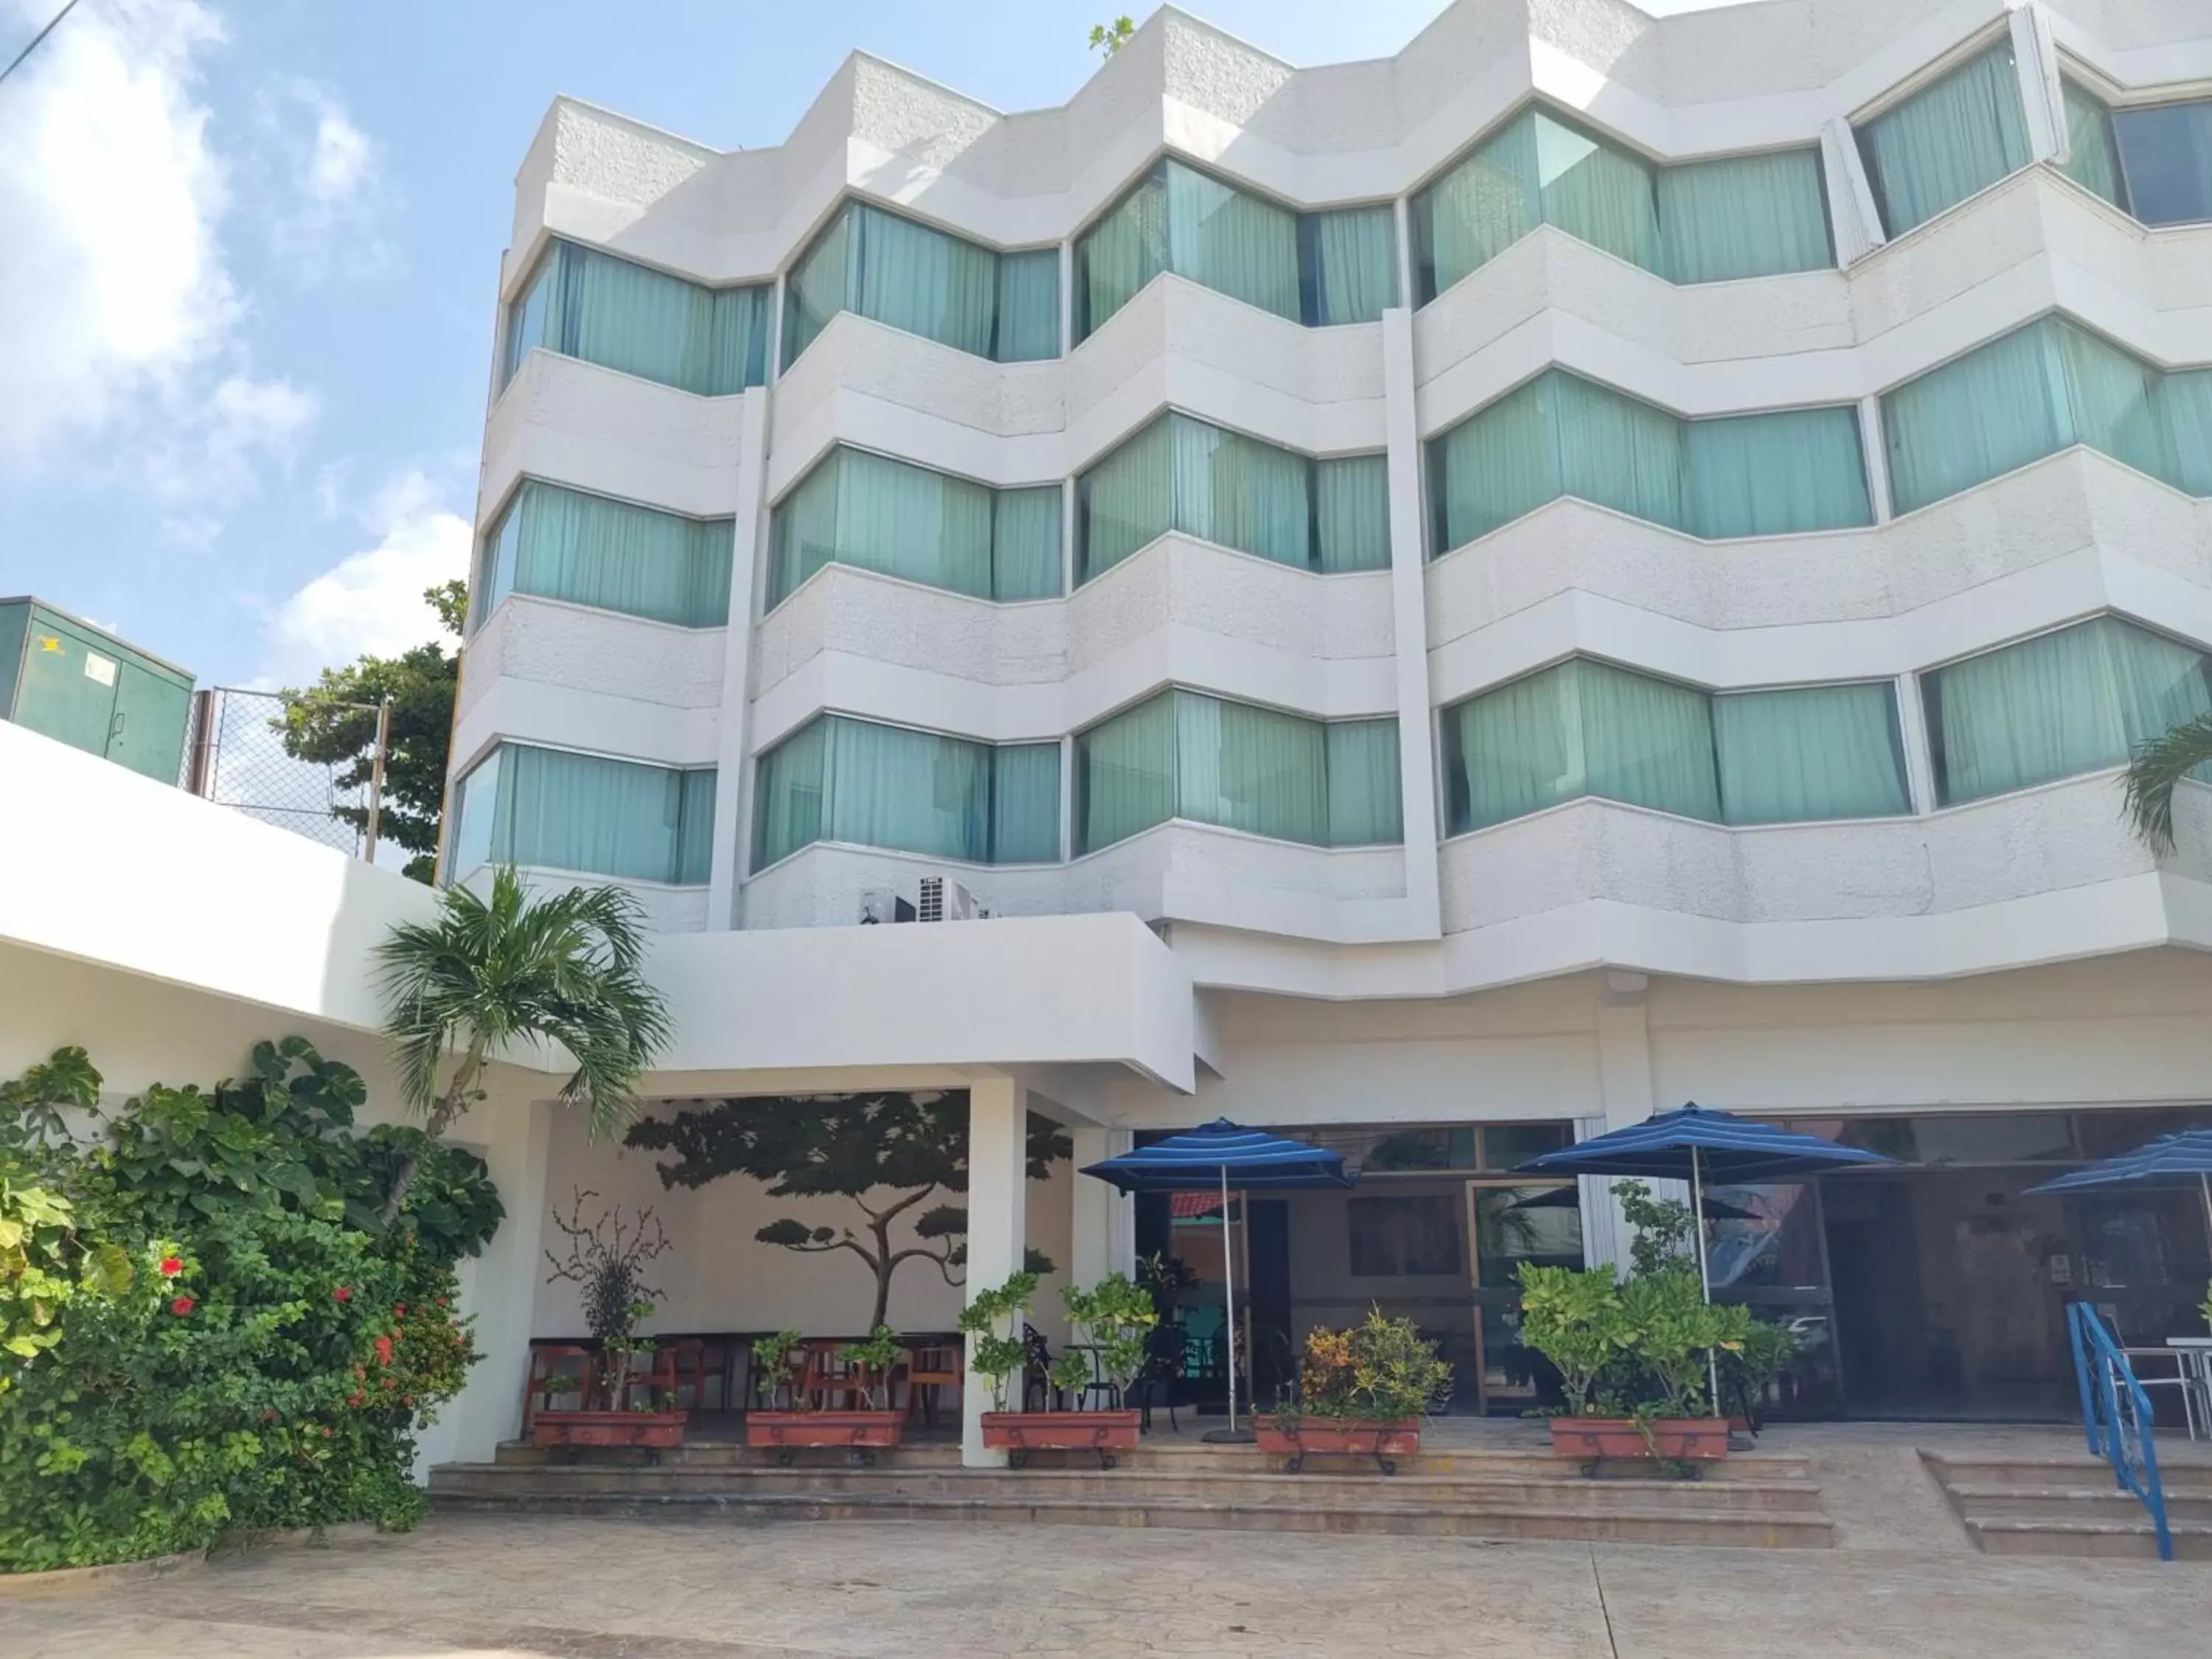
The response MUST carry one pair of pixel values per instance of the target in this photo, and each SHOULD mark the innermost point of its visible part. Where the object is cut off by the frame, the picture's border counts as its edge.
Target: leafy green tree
(333, 723)
(563, 968)
(912, 1145)
(2159, 765)
(1111, 38)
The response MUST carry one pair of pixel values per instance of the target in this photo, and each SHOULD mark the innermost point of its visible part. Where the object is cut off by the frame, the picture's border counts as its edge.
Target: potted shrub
(862, 1431)
(608, 1262)
(1362, 1393)
(1112, 1320)
(1631, 1360)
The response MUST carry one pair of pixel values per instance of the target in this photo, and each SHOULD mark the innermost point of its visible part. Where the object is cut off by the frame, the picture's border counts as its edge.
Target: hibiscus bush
(208, 1328)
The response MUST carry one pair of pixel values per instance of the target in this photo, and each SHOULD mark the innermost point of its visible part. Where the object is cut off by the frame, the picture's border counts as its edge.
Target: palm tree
(2159, 764)
(488, 973)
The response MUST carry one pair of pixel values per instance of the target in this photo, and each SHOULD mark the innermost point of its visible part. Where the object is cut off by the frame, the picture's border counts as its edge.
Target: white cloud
(371, 601)
(113, 284)
(335, 178)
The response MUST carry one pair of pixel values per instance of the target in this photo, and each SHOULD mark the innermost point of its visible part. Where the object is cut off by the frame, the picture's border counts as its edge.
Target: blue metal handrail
(2116, 1416)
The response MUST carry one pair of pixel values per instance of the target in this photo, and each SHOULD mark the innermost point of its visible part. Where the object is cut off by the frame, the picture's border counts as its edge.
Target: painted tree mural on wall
(888, 1153)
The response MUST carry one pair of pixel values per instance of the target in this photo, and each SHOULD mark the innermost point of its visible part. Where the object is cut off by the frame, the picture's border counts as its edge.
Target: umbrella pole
(2204, 1181)
(1705, 1278)
(1229, 1292)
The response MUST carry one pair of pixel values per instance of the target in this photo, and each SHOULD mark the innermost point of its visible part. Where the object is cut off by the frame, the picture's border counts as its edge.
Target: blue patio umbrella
(1221, 1155)
(2178, 1161)
(1693, 1143)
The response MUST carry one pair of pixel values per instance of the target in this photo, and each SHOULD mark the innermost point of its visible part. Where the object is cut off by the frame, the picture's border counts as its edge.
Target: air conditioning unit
(944, 899)
(881, 904)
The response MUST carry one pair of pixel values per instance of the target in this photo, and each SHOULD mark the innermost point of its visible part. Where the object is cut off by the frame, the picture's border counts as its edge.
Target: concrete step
(1786, 1530)
(2135, 1540)
(1132, 1487)
(2181, 1470)
(2006, 1502)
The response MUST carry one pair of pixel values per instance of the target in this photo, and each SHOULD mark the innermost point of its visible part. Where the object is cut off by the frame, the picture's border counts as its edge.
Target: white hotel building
(1444, 602)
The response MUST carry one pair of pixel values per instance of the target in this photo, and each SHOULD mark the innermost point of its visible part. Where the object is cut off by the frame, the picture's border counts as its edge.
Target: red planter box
(861, 1433)
(1019, 1433)
(1383, 1439)
(657, 1431)
(1596, 1437)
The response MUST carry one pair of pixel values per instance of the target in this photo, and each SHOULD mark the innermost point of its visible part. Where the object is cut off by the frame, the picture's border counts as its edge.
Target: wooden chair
(693, 1362)
(931, 1365)
(554, 1363)
(829, 1375)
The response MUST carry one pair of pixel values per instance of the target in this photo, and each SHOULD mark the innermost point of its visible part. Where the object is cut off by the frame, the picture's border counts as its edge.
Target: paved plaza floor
(480, 1586)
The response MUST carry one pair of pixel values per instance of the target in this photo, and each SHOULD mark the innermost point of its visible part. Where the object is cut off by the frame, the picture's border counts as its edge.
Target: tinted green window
(1184, 755)
(1941, 145)
(561, 544)
(585, 304)
(554, 809)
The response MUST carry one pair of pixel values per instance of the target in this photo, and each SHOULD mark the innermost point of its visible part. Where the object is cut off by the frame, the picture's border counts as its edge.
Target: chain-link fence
(235, 757)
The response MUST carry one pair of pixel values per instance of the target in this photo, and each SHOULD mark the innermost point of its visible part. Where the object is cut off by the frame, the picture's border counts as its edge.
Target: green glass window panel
(1026, 531)
(1232, 243)
(790, 787)
(914, 277)
(2185, 401)
(1744, 215)
(1810, 752)
(586, 304)
(1125, 774)
(555, 810)
(1366, 800)
(1482, 207)
(2093, 162)
(1771, 475)
(1028, 327)
(561, 543)
(2067, 702)
(475, 809)
(2167, 154)
(1121, 253)
(1025, 804)
(1352, 513)
(1580, 728)
(892, 786)
(1238, 492)
(1943, 144)
(876, 513)
(1348, 260)
(2028, 394)
(1618, 452)
(1499, 463)
(1596, 193)
(1208, 760)
(1126, 502)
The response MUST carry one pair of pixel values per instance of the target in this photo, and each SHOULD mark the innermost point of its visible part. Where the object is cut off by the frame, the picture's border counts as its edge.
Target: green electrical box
(83, 686)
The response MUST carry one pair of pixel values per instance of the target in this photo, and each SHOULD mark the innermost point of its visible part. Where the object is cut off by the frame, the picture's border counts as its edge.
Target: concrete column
(1101, 1231)
(500, 1287)
(733, 848)
(1409, 625)
(997, 1171)
(1623, 1064)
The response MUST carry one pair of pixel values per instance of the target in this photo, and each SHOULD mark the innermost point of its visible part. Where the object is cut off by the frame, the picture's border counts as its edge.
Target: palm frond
(2159, 764)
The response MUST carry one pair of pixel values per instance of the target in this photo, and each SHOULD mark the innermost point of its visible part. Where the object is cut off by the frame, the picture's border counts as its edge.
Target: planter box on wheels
(1019, 1433)
(655, 1430)
(1597, 1439)
(861, 1433)
(1384, 1439)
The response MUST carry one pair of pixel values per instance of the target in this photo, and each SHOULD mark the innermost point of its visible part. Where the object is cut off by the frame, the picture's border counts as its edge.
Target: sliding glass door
(1508, 1222)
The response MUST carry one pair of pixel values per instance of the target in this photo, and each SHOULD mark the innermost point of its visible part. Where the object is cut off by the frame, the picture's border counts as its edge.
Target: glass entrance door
(1508, 1222)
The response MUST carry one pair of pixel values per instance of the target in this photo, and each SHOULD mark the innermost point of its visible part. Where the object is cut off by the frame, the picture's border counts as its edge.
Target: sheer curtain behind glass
(1366, 801)
(1810, 752)
(1941, 145)
(2092, 160)
(1231, 242)
(912, 277)
(1025, 803)
(875, 513)
(592, 306)
(561, 811)
(915, 792)
(2071, 701)
(1027, 326)
(562, 544)
(1125, 774)
(1352, 513)
(1125, 500)
(1771, 475)
(1125, 250)
(1348, 259)
(1256, 770)
(1744, 215)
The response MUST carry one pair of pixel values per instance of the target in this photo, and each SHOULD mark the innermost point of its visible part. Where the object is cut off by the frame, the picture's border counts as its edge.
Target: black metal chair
(1165, 1348)
(1036, 1370)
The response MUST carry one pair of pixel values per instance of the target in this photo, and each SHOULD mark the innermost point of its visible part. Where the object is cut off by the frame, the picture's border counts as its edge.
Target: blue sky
(247, 278)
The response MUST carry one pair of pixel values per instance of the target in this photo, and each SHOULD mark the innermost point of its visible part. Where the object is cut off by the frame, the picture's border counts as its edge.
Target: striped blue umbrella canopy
(2179, 1161)
(1693, 1145)
(1216, 1157)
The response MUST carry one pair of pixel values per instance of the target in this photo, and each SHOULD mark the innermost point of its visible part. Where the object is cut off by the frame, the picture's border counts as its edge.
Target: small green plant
(1766, 1352)
(1670, 1328)
(607, 1261)
(1662, 1228)
(1573, 1317)
(876, 1356)
(1111, 38)
(1382, 1368)
(771, 1365)
(996, 1353)
(1116, 1317)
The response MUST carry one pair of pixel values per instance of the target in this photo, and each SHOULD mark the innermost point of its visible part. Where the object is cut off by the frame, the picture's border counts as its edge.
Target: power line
(68, 7)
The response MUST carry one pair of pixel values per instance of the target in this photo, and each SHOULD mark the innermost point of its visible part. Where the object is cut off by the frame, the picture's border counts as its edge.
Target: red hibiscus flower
(172, 1266)
(182, 1305)
(354, 1399)
(399, 1310)
(344, 1293)
(384, 1351)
